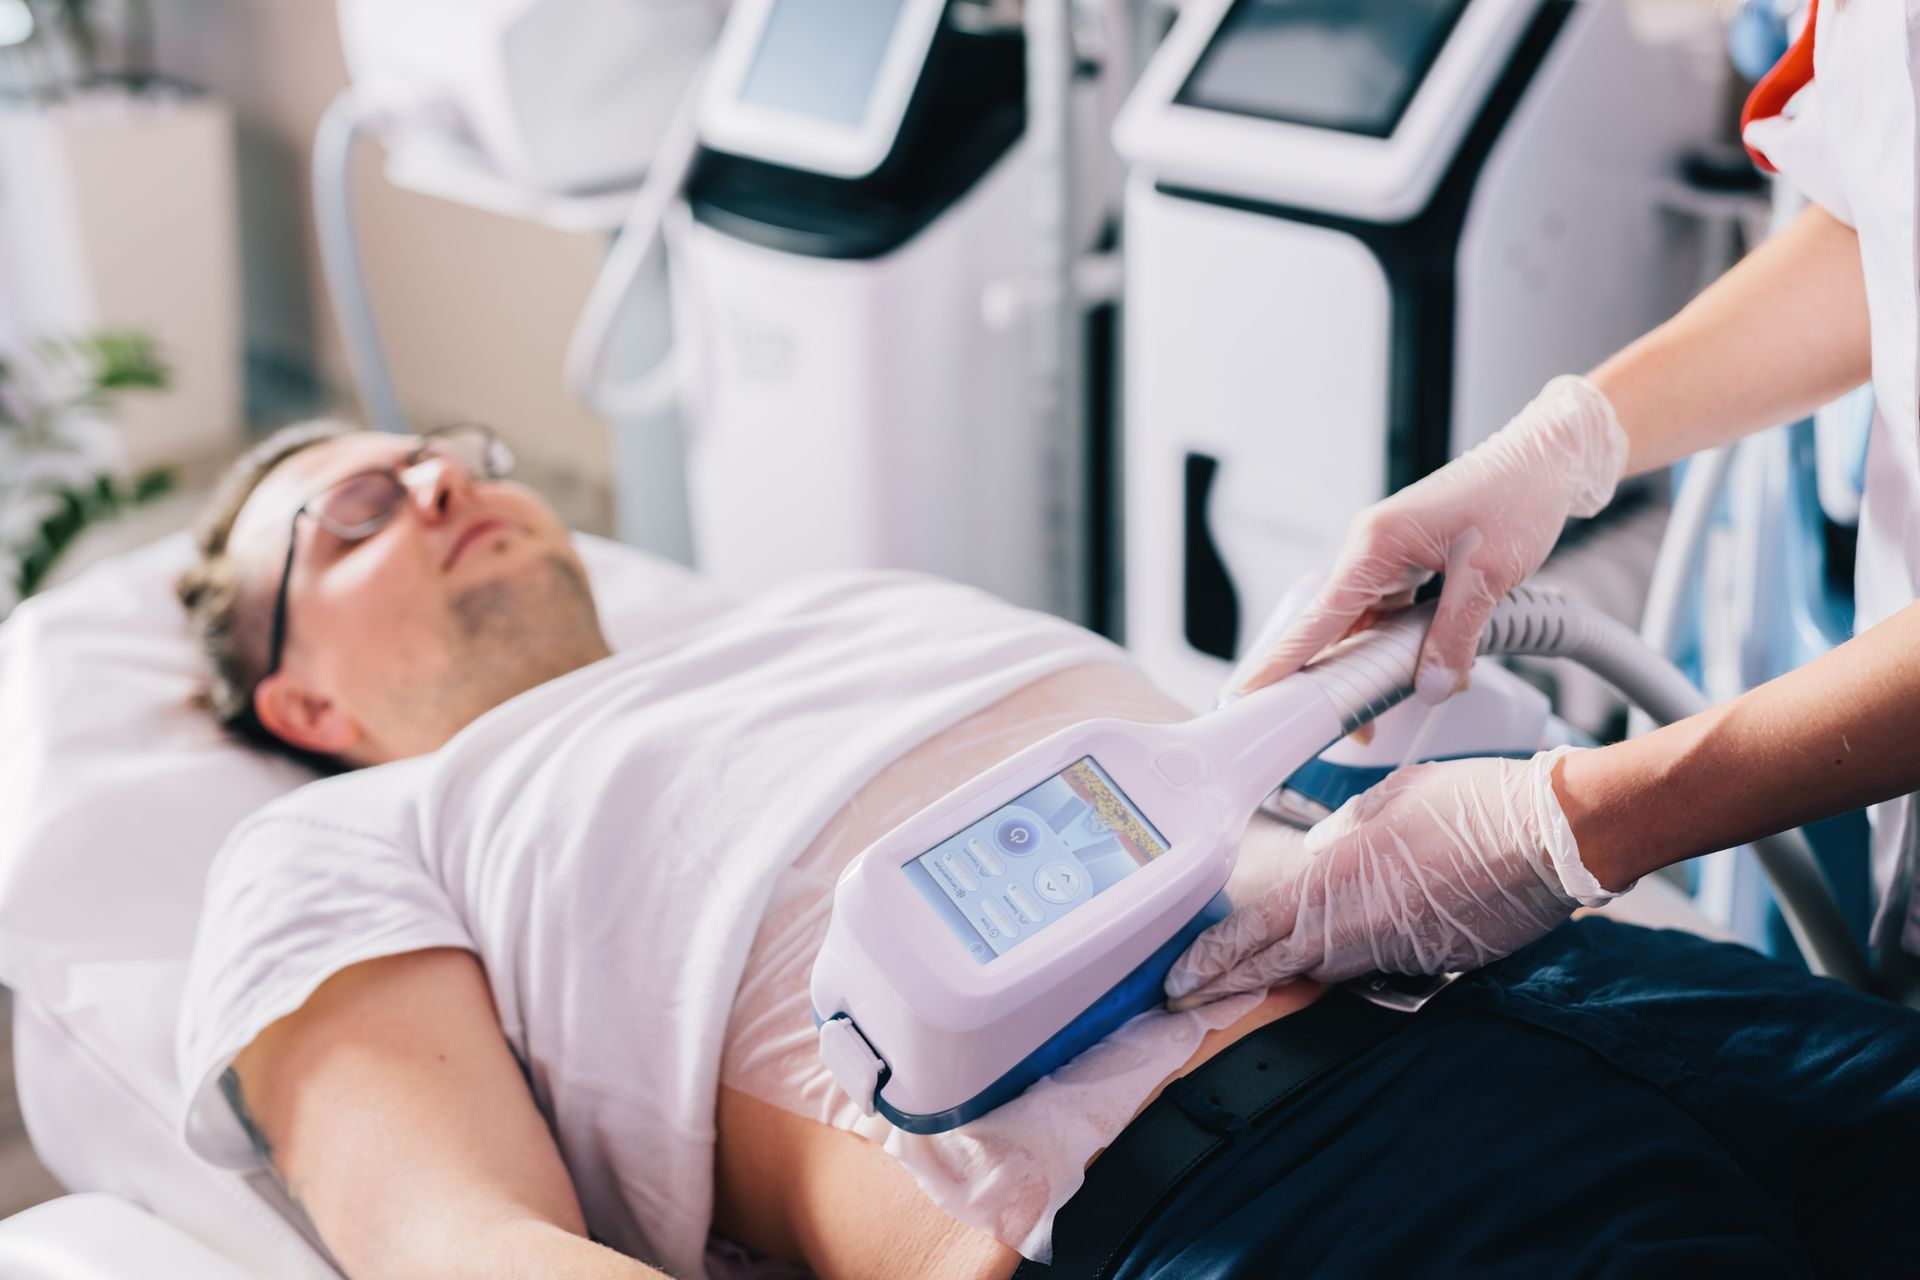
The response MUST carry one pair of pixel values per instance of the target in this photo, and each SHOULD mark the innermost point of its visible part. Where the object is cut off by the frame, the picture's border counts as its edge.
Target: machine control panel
(1028, 863)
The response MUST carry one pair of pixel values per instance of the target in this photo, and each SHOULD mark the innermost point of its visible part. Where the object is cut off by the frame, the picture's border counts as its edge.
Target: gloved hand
(1487, 520)
(1438, 867)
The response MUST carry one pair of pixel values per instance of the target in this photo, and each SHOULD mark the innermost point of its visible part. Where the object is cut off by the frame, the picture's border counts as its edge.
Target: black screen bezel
(1418, 70)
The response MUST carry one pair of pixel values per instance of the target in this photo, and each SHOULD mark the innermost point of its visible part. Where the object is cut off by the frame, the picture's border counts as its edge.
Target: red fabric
(1788, 77)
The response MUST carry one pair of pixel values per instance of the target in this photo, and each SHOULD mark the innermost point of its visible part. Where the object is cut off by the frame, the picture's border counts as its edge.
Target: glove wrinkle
(1488, 519)
(1438, 867)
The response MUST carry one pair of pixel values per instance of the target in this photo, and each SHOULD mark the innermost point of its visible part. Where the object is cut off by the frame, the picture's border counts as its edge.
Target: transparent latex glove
(1486, 520)
(1299, 594)
(1438, 867)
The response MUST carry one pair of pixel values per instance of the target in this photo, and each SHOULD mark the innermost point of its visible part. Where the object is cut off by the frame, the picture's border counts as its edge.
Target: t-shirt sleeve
(291, 900)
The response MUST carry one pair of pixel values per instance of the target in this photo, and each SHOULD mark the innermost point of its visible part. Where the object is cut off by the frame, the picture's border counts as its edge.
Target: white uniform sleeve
(1796, 144)
(291, 900)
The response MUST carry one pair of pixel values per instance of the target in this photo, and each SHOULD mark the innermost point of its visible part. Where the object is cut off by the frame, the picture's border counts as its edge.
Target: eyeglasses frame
(491, 469)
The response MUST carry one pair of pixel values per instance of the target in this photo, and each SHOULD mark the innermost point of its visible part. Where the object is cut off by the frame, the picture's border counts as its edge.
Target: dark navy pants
(1608, 1101)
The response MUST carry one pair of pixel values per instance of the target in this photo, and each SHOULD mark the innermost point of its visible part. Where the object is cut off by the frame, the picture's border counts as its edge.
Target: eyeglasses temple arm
(280, 599)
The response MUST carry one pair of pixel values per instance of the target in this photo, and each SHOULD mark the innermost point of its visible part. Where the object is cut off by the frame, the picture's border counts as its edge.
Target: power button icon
(1017, 836)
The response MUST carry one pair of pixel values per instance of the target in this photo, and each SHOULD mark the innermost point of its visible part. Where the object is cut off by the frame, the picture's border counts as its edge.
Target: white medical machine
(560, 96)
(1359, 237)
(887, 342)
(544, 110)
(876, 306)
(1011, 925)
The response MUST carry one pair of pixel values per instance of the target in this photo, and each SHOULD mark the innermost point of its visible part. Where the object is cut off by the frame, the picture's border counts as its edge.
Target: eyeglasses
(358, 506)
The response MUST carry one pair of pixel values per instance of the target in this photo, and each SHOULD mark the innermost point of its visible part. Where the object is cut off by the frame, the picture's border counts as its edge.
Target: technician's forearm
(1830, 737)
(1783, 332)
(531, 1247)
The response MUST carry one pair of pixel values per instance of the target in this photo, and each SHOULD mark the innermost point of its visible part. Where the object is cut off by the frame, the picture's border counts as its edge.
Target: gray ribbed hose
(1373, 671)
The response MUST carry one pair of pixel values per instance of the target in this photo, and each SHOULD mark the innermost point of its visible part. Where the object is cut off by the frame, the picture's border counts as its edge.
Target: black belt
(1194, 1118)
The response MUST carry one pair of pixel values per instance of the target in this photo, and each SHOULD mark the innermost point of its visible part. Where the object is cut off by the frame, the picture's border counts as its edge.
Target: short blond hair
(229, 624)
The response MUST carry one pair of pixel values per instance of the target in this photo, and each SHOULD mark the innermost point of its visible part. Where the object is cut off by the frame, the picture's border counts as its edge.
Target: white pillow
(116, 790)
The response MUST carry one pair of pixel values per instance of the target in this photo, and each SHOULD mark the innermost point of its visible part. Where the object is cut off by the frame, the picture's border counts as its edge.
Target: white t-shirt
(606, 844)
(1008, 1172)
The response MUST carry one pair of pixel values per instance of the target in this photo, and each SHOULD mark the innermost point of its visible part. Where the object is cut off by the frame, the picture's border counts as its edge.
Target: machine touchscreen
(821, 59)
(1028, 863)
(1348, 65)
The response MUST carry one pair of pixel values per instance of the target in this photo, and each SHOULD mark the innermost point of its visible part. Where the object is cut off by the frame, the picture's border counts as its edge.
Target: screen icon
(1060, 881)
(959, 870)
(985, 859)
(1022, 901)
(1017, 836)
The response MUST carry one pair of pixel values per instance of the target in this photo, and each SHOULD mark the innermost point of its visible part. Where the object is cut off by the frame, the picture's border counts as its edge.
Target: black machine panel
(968, 110)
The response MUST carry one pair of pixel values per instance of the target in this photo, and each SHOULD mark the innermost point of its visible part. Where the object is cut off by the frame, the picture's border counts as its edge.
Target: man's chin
(534, 607)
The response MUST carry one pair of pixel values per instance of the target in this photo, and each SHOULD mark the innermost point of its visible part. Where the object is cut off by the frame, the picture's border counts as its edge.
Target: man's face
(469, 594)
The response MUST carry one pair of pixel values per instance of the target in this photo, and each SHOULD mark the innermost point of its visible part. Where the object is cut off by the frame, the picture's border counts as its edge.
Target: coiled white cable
(1371, 672)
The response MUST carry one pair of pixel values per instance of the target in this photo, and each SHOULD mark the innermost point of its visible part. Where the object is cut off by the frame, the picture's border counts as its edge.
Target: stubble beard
(518, 631)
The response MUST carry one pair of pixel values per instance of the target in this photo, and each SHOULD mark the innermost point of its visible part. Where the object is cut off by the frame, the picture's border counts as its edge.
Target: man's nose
(436, 486)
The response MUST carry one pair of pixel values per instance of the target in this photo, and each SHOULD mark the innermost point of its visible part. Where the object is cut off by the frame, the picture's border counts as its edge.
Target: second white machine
(1360, 236)
(871, 279)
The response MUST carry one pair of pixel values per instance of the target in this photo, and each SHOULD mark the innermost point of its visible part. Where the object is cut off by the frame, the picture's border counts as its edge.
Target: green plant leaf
(149, 485)
(124, 360)
(93, 370)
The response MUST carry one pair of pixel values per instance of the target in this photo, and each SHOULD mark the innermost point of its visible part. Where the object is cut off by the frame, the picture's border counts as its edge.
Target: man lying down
(523, 992)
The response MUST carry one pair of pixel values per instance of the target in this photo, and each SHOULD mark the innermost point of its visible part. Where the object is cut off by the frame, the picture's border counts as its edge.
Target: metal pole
(1058, 341)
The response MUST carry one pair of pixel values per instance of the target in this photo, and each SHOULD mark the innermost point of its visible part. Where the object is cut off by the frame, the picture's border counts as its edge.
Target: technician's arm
(394, 1112)
(1829, 737)
(1451, 865)
(1783, 332)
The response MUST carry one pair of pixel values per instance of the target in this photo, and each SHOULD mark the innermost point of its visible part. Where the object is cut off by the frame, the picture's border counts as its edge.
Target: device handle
(1373, 671)
(1254, 744)
(1257, 742)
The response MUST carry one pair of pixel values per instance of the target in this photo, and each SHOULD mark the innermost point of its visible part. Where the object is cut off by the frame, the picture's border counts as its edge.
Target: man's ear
(304, 718)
